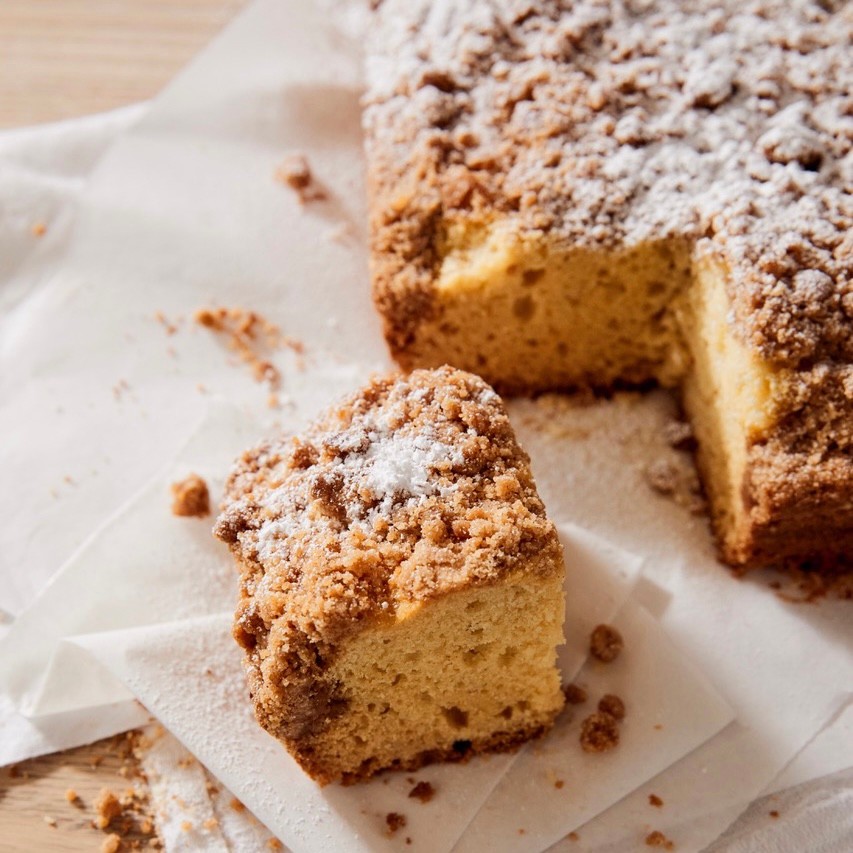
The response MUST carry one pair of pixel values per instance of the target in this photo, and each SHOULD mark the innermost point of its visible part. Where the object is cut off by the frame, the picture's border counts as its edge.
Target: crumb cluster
(190, 497)
(605, 643)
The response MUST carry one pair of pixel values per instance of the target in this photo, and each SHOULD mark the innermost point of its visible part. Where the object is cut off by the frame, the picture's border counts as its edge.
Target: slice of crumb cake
(402, 589)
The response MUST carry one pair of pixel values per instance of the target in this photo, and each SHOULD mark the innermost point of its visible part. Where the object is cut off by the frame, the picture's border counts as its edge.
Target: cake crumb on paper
(657, 839)
(422, 791)
(72, 796)
(49, 820)
(613, 705)
(274, 844)
(394, 821)
(605, 643)
(295, 172)
(774, 813)
(574, 695)
(39, 229)
(655, 800)
(190, 497)
(599, 733)
(573, 836)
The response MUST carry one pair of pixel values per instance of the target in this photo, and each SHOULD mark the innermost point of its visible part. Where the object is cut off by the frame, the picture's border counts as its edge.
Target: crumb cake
(597, 194)
(401, 586)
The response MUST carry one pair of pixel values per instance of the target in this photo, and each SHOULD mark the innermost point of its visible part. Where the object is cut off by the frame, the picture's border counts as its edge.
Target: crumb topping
(422, 791)
(615, 123)
(657, 839)
(574, 694)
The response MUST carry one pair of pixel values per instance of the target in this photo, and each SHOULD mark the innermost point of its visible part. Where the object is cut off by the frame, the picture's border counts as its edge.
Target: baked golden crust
(412, 489)
(609, 125)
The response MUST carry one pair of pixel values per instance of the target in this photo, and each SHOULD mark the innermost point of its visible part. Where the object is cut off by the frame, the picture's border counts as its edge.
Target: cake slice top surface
(412, 488)
(608, 123)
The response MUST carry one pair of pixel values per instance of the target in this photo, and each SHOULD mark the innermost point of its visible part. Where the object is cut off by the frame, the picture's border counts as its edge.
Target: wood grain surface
(60, 59)
(66, 58)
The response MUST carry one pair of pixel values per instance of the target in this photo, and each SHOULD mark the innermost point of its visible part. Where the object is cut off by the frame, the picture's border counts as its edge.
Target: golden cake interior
(529, 314)
(410, 686)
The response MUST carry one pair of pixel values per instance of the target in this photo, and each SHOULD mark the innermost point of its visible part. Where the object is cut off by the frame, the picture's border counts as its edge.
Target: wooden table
(60, 59)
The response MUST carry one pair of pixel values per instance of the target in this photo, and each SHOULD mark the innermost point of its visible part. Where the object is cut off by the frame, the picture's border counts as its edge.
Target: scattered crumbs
(612, 705)
(408, 840)
(120, 388)
(274, 844)
(211, 823)
(662, 476)
(655, 800)
(72, 796)
(679, 435)
(237, 805)
(521, 831)
(423, 791)
(657, 839)
(294, 172)
(574, 695)
(166, 323)
(658, 727)
(39, 229)
(107, 808)
(599, 733)
(774, 813)
(111, 844)
(49, 820)
(187, 826)
(190, 497)
(573, 836)
(559, 784)
(605, 643)
(394, 821)
(249, 335)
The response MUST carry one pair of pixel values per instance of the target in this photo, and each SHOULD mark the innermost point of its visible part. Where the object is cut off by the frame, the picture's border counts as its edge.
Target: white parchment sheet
(96, 396)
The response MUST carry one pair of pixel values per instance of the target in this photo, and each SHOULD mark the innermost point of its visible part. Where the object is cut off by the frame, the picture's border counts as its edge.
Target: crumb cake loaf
(401, 595)
(595, 194)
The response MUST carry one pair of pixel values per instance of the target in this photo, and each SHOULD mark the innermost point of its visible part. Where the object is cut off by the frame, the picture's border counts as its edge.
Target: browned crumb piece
(423, 791)
(274, 844)
(573, 836)
(187, 826)
(559, 784)
(662, 476)
(211, 823)
(657, 839)
(107, 808)
(574, 695)
(774, 813)
(72, 796)
(605, 643)
(190, 497)
(655, 800)
(679, 435)
(394, 822)
(111, 844)
(39, 229)
(599, 733)
(612, 705)
(237, 805)
(295, 173)
(50, 820)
